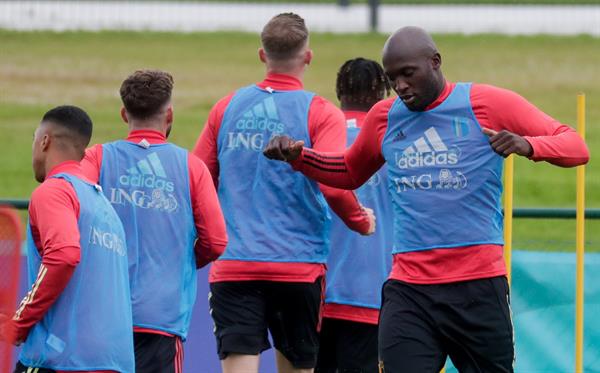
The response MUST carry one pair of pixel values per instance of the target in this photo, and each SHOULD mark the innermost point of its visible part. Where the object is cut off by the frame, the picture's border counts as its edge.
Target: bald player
(443, 144)
(77, 315)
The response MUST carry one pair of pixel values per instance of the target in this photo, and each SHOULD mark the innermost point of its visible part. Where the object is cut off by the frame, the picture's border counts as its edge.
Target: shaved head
(413, 64)
(409, 41)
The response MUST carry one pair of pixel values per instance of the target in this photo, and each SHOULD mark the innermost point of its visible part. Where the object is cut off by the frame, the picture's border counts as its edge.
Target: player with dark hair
(357, 265)
(172, 218)
(270, 277)
(360, 84)
(77, 315)
(443, 144)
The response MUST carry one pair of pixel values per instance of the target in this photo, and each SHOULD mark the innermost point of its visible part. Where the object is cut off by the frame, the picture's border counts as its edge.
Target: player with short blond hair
(270, 277)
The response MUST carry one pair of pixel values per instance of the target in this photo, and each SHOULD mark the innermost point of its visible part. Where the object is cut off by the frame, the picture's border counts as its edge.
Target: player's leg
(294, 312)
(409, 341)
(328, 342)
(286, 366)
(235, 363)
(478, 327)
(239, 313)
(157, 353)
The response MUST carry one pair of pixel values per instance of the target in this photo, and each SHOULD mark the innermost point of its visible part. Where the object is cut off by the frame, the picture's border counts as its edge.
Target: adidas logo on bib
(427, 151)
(250, 129)
(146, 186)
(148, 173)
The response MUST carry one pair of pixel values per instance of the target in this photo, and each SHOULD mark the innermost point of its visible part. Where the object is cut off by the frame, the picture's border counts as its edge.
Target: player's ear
(308, 56)
(45, 142)
(170, 114)
(124, 115)
(436, 61)
(262, 55)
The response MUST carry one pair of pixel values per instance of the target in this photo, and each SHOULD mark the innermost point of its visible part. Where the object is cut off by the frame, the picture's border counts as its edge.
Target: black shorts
(347, 347)
(244, 311)
(470, 321)
(156, 353)
(20, 368)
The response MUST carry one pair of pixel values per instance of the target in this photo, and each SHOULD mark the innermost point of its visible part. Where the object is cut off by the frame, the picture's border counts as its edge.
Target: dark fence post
(344, 3)
(374, 14)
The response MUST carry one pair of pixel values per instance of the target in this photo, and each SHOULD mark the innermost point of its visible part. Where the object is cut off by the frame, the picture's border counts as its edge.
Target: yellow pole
(443, 369)
(580, 242)
(509, 174)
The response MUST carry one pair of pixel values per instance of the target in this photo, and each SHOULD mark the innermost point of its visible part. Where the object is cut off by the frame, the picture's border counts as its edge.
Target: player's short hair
(362, 81)
(75, 121)
(284, 36)
(145, 92)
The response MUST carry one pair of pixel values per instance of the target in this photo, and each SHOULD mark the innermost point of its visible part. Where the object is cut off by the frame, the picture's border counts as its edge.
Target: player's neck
(146, 126)
(59, 158)
(297, 72)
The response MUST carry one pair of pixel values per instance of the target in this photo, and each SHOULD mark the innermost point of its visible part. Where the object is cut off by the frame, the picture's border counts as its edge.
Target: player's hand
(283, 148)
(506, 143)
(372, 219)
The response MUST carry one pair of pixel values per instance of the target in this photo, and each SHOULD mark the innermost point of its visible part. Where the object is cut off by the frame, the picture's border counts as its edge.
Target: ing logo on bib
(146, 186)
(250, 129)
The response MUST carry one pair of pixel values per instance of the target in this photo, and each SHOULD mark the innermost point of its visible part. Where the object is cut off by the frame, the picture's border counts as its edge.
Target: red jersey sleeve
(206, 146)
(352, 168)
(53, 215)
(327, 131)
(208, 217)
(92, 162)
(554, 142)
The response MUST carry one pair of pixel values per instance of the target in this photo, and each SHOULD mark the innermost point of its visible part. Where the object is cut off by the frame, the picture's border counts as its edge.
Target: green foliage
(39, 70)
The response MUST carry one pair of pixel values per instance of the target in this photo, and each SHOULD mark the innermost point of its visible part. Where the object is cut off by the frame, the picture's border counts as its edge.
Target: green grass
(41, 70)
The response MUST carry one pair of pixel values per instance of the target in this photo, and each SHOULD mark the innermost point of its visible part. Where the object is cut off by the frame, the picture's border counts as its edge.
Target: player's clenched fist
(506, 143)
(283, 148)
(372, 219)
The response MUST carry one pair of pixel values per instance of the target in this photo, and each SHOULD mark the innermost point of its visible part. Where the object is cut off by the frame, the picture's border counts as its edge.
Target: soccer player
(270, 276)
(173, 221)
(77, 315)
(357, 265)
(443, 144)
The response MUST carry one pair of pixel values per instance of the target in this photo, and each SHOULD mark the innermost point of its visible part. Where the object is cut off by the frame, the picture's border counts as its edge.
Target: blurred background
(78, 52)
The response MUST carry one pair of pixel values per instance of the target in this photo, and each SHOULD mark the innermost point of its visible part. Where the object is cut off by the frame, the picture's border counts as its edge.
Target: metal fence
(440, 16)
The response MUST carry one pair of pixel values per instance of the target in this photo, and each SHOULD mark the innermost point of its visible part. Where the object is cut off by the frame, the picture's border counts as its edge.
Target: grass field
(41, 70)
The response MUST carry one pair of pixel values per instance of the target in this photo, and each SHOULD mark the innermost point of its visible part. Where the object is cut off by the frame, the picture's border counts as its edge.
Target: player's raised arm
(526, 130)
(346, 170)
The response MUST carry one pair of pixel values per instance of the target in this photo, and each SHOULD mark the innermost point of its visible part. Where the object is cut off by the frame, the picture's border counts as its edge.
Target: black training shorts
(243, 312)
(157, 353)
(470, 321)
(347, 347)
(20, 368)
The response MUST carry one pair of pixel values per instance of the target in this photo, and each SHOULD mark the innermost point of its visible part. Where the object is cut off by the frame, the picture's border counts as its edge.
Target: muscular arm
(54, 211)
(208, 217)
(500, 109)
(352, 168)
